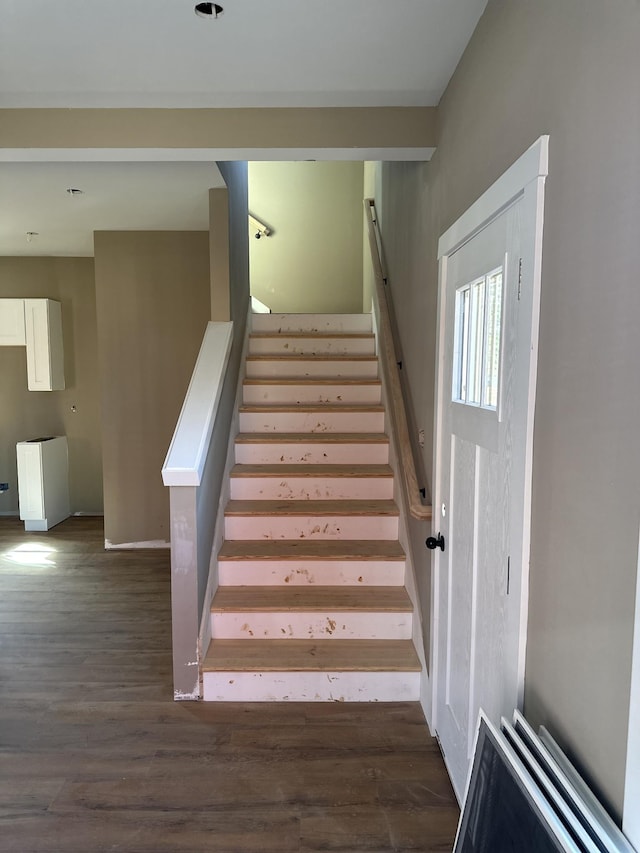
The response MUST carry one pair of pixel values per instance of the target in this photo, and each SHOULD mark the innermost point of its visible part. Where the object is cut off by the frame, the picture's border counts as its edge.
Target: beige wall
(153, 301)
(313, 260)
(371, 170)
(29, 414)
(282, 128)
(219, 253)
(569, 69)
(410, 226)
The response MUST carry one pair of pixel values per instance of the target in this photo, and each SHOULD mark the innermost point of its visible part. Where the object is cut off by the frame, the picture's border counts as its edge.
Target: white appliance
(43, 482)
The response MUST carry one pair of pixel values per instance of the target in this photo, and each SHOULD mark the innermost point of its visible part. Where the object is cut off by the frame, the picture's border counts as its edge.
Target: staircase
(311, 603)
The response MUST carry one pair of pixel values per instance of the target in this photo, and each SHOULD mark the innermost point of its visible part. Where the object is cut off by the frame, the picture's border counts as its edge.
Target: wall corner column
(219, 253)
(184, 593)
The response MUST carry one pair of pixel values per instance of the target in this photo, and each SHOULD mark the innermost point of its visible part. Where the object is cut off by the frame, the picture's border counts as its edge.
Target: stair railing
(391, 361)
(259, 228)
(193, 471)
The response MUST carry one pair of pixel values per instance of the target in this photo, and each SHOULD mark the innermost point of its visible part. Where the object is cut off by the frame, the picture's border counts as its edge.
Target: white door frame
(631, 813)
(524, 181)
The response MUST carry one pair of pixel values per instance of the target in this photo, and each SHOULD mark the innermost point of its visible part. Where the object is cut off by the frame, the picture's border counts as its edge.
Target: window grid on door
(478, 326)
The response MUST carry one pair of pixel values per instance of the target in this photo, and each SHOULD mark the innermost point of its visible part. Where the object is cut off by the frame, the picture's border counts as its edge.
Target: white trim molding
(524, 180)
(188, 449)
(631, 810)
(132, 546)
(533, 164)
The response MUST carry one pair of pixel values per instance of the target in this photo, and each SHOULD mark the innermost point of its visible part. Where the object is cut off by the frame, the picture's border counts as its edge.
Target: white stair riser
(313, 454)
(311, 488)
(318, 323)
(279, 394)
(311, 527)
(301, 625)
(311, 346)
(314, 422)
(311, 686)
(308, 572)
(311, 368)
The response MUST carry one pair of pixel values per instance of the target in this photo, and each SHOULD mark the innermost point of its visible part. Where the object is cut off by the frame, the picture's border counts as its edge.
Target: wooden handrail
(261, 230)
(390, 365)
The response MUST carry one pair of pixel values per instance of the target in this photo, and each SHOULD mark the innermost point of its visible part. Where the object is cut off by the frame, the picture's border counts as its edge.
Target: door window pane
(476, 360)
(476, 343)
(462, 343)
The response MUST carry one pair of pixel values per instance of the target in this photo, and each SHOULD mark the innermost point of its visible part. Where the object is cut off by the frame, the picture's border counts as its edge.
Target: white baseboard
(14, 513)
(129, 546)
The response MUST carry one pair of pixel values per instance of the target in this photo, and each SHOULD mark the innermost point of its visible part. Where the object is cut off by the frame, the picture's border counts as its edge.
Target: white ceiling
(115, 197)
(158, 53)
(261, 53)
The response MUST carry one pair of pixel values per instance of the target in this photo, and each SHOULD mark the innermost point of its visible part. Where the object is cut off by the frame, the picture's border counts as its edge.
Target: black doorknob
(433, 543)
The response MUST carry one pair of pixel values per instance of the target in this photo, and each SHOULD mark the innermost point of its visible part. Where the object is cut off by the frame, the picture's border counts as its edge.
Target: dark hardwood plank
(96, 756)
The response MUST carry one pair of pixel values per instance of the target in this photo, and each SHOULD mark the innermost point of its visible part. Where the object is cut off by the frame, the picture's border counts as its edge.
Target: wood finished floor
(96, 756)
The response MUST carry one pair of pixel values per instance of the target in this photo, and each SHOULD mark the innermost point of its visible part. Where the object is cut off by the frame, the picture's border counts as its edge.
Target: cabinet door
(12, 333)
(45, 358)
(30, 485)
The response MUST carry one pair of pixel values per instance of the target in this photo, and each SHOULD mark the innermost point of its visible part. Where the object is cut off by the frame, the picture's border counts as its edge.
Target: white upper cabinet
(12, 333)
(45, 355)
(36, 324)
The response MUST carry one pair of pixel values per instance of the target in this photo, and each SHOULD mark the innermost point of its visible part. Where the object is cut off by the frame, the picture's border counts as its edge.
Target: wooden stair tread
(311, 507)
(310, 380)
(306, 549)
(311, 470)
(284, 408)
(271, 599)
(319, 335)
(294, 357)
(317, 437)
(311, 655)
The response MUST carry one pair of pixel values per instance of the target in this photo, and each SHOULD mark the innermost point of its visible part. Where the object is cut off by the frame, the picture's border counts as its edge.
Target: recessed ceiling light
(74, 191)
(208, 10)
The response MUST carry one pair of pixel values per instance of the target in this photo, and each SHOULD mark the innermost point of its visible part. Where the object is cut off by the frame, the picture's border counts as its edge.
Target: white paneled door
(487, 345)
